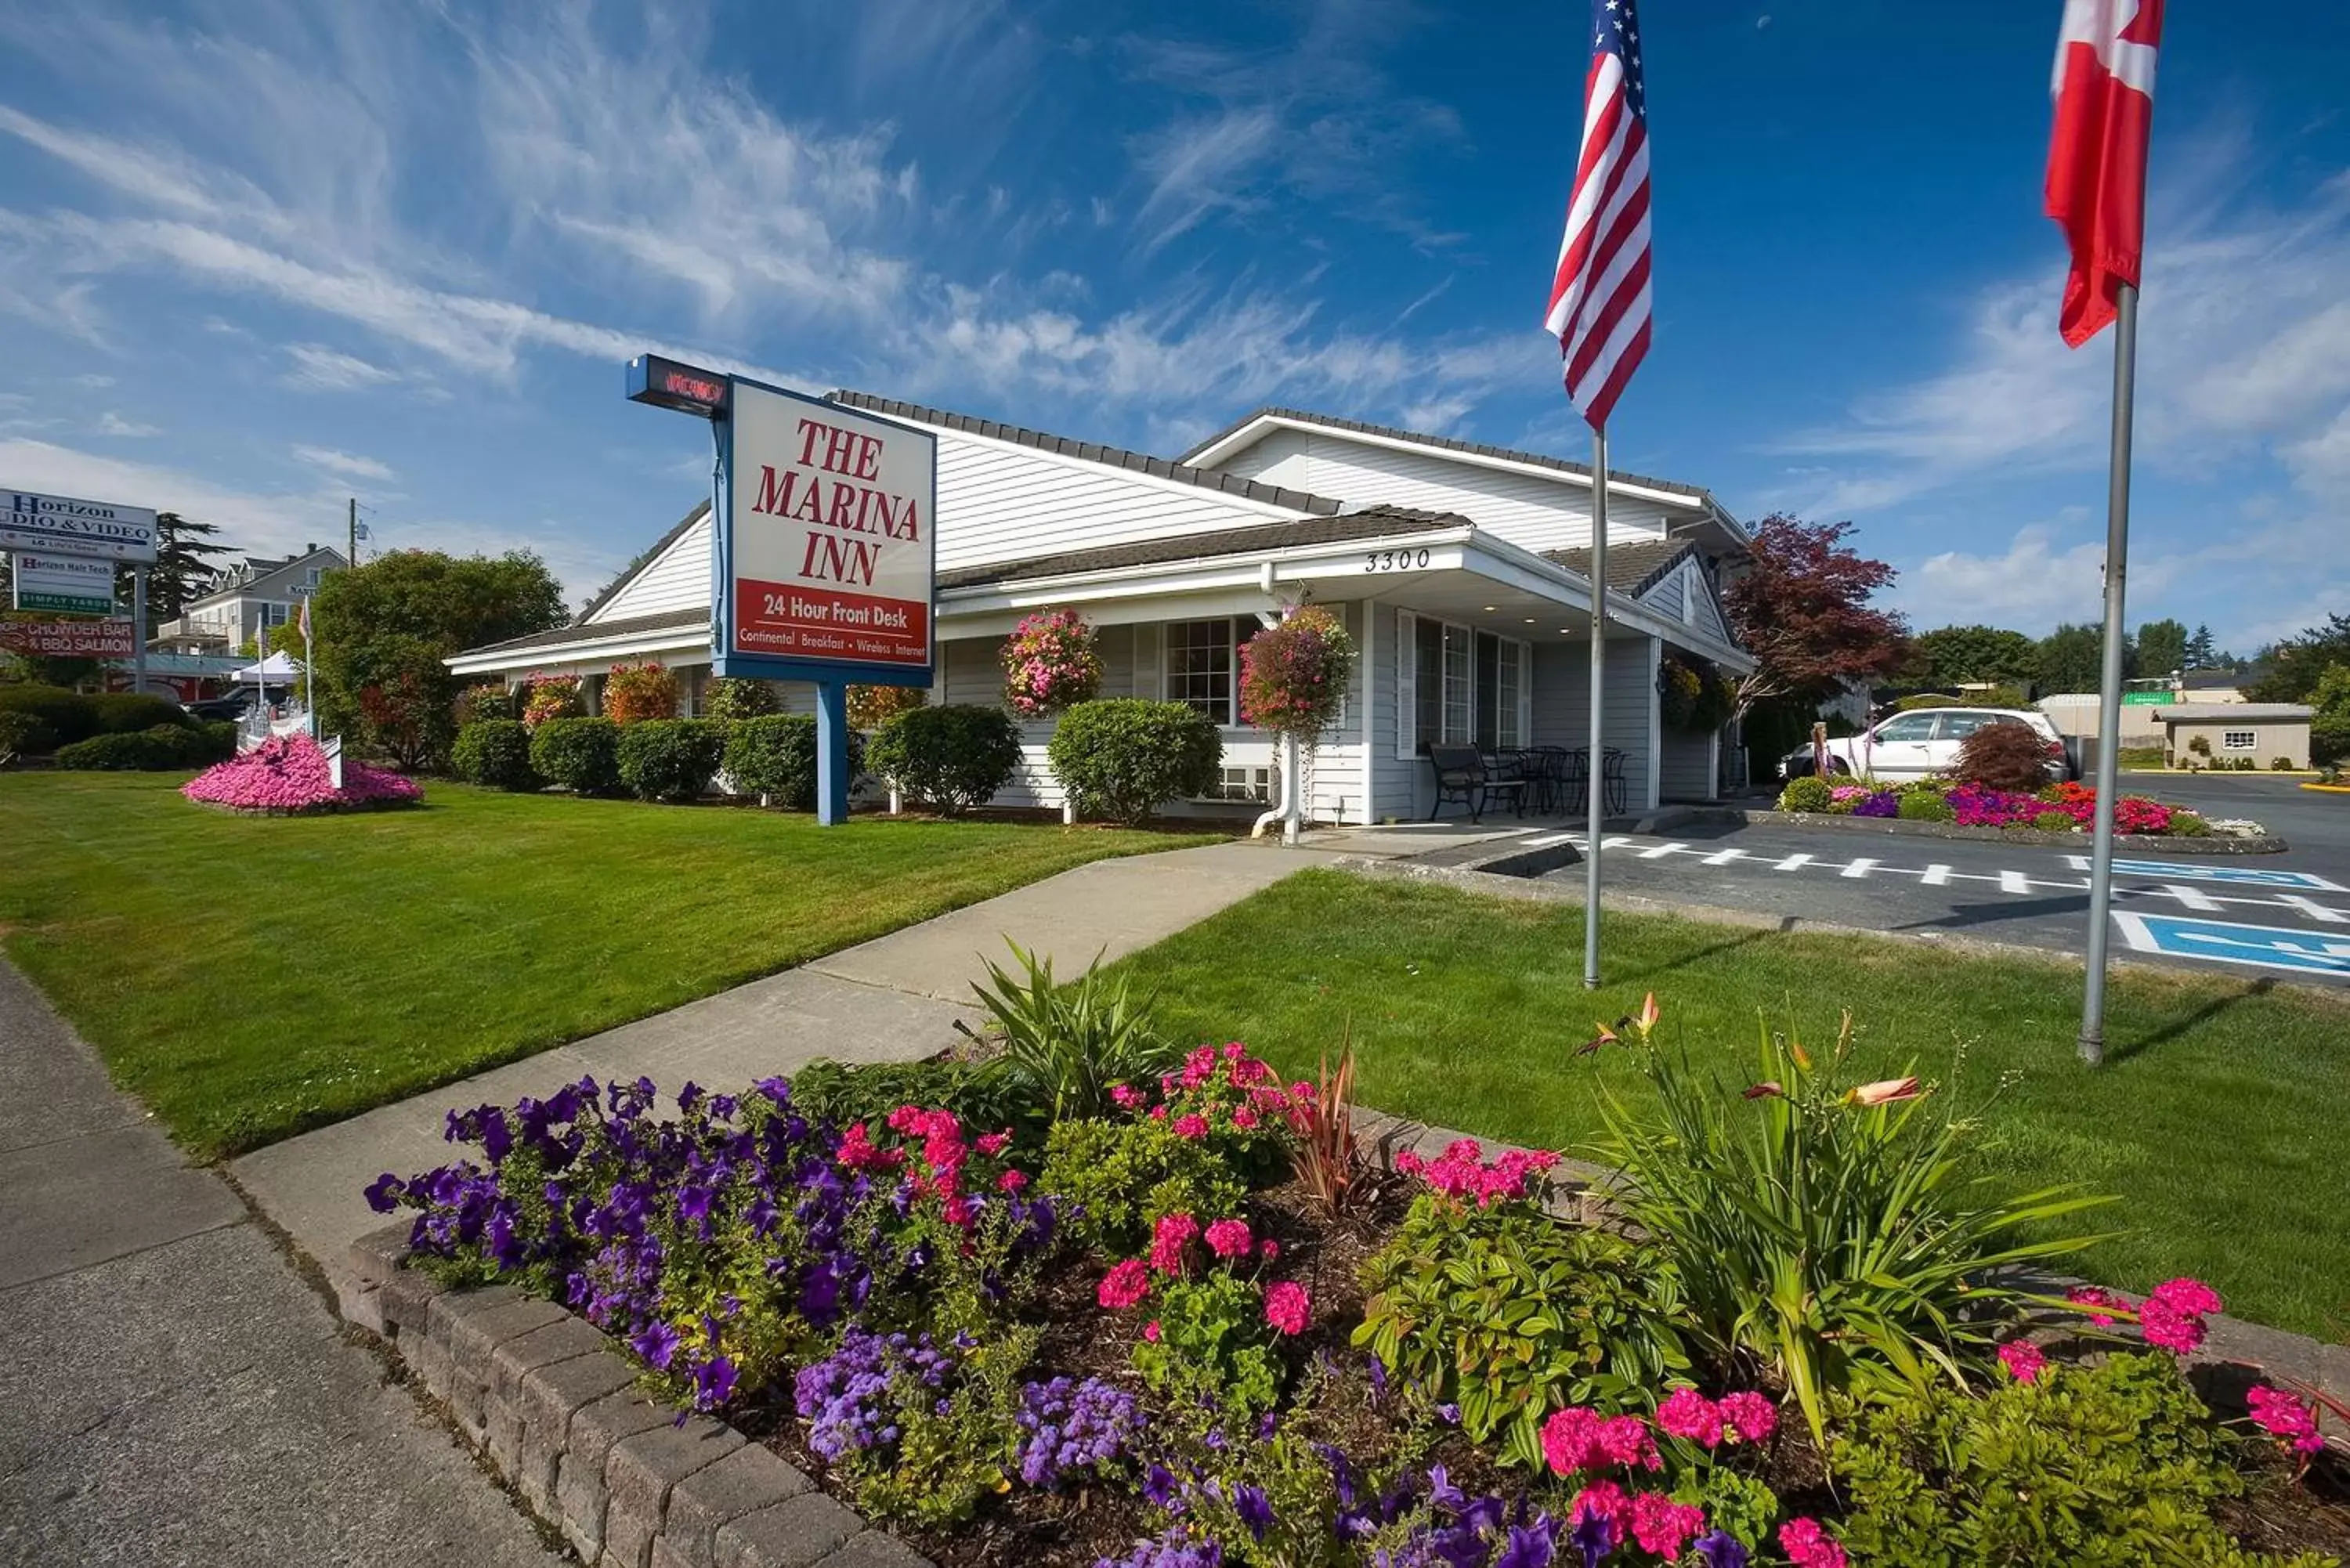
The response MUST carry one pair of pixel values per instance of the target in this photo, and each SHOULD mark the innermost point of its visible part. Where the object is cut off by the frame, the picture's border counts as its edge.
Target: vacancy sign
(75, 584)
(830, 547)
(71, 528)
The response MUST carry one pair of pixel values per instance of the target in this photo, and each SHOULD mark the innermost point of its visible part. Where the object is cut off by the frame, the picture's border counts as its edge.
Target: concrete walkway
(172, 1392)
(894, 998)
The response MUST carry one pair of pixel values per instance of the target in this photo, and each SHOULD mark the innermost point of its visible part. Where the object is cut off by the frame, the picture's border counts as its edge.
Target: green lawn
(249, 977)
(2219, 1118)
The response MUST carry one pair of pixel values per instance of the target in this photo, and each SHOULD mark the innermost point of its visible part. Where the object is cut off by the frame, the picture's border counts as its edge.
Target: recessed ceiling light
(1530, 621)
(1490, 608)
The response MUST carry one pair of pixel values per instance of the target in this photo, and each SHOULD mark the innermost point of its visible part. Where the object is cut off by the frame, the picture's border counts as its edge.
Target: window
(2240, 739)
(1958, 726)
(1200, 667)
(1906, 727)
(1465, 686)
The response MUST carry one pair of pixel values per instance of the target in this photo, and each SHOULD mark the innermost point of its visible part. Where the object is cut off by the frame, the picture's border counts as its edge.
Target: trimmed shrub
(2055, 821)
(162, 749)
(1920, 806)
(672, 760)
(739, 697)
(497, 752)
(2200, 745)
(221, 738)
(578, 755)
(69, 715)
(953, 758)
(2003, 756)
(122, 713)
(1810, 792)
(544, 697)
(2279, 765)
(2188, 825)
(1122, 757)
(24, 735)
(636, 692)
(774, 757)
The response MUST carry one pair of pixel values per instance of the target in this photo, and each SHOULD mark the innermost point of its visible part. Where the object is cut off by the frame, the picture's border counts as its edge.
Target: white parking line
(2015, 882)
(1724, 857)
(1547, 840)
(2195, 898)
(1661, 850)
(1938, 876)
(1858, 868)
(2311, 907)
(1793, 863)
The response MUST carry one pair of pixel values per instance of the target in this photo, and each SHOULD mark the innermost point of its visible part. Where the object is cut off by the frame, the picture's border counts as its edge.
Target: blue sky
(256, 257)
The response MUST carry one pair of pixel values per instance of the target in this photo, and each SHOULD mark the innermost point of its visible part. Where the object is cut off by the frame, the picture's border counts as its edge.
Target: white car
(1922, 742)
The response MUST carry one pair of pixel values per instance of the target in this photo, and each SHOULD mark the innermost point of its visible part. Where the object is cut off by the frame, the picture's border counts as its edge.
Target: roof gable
(606, 605)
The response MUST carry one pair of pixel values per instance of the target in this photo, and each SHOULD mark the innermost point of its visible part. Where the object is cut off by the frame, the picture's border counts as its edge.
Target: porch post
(1595, 786)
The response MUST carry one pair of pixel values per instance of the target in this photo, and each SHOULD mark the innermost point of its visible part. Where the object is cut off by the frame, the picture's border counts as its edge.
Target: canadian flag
(2096, 157)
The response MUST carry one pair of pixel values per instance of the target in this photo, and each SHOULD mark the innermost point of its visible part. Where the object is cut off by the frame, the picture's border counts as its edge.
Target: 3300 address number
(1395, 560)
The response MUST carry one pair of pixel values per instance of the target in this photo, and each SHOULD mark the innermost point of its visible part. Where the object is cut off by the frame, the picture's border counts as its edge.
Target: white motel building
(1462, 571)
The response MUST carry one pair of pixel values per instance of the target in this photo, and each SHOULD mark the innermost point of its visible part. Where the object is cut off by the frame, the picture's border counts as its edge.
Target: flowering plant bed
(1160, 1337)
(290, 777)
(2048, 815)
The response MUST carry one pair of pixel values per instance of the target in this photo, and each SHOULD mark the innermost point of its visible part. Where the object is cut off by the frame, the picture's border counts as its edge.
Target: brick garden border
(552, 1406)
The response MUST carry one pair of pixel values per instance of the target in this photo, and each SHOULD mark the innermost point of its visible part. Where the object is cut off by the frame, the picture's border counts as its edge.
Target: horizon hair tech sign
(67, 527)
(826, 550)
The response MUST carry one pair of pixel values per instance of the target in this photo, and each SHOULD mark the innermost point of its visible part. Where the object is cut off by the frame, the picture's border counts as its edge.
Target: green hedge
(774, 756)
(69, 715)
(122, 713)
(497, 752)
(952, 758)
(25, 735)
(165, 748)
(2329, 739)
(739, 697)
(671, 759)
(581, 755)
(1124, 756)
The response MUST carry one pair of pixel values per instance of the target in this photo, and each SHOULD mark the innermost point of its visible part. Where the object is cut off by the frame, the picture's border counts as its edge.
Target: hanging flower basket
(1294, 676)
(1050, 662)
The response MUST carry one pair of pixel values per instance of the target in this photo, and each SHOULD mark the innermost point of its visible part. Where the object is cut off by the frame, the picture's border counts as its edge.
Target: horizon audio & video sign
(67, 527)
(826, 556)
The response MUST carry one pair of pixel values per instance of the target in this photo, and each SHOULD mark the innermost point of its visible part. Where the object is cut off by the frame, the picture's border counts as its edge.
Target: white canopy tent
(280, 669)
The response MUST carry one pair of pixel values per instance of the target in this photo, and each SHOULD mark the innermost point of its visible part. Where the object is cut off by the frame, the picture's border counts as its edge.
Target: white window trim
(1407, 674)
(2251, 741)
(1233, 640)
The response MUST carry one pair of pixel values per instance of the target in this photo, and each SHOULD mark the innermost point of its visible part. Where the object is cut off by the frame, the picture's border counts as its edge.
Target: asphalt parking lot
(2280, 915)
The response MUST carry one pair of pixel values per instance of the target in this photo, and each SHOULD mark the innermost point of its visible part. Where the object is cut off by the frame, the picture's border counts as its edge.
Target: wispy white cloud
(349, 465)
(321, 369)
(113, 424)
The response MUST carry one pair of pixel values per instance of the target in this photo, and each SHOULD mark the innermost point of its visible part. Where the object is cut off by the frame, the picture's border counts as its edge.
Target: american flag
(1599, 296)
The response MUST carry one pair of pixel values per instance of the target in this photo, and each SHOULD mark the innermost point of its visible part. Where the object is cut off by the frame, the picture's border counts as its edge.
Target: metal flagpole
(1595, 774)
(2109, 713)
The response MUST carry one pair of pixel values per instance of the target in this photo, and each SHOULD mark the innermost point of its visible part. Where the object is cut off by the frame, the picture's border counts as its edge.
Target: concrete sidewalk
(173, 1392)
(893, 999)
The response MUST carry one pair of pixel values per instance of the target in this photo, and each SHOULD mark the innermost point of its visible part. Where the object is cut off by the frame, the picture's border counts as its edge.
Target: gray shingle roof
(1633, 568)
(1115, 456)
(576, 634)
(2217, 713)
(1372, 523)
(1449, 444)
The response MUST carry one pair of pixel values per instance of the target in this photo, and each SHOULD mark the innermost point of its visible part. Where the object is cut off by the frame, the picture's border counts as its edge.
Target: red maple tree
(1802, 611)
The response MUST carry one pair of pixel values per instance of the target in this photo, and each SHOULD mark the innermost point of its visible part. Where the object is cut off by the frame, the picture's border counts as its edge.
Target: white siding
(1562, 706)
(676, 579)
(999, 502)
(1536, 514)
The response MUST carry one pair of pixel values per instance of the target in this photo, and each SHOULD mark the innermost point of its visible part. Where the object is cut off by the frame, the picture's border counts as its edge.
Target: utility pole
(351, 555)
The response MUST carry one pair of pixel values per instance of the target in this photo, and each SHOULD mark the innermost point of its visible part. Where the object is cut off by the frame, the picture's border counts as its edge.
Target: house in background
(242, 601)
(2235, 732)
(1461, 570)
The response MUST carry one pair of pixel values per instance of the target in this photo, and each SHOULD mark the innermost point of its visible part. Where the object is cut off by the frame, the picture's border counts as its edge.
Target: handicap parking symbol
(2225, 941)
(2242, 876)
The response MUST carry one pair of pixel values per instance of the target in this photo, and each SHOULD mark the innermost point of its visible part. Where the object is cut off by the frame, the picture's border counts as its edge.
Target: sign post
(824, 557)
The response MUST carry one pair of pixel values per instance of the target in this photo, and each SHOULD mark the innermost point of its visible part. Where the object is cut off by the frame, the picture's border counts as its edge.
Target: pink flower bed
(291, 775)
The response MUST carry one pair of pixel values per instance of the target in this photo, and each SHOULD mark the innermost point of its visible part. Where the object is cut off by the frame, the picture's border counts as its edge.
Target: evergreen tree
(2162, 648)
(2199, 649)
(180, 570)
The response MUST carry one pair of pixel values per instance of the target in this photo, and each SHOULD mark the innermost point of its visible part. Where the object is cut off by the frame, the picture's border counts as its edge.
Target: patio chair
(1462, 775)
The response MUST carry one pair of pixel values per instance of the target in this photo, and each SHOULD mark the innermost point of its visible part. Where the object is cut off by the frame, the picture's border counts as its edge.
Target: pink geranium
(2022, 1360)
(1687, 1414)
(1229, 1239)
(1663, 1526)
(1809, 1546)
(2172, 1316)
(1286, 1307)
(2285, 1418)
(1168, 1238)
(1124, 1285)
(2096, 1297)
(1749, 1416)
